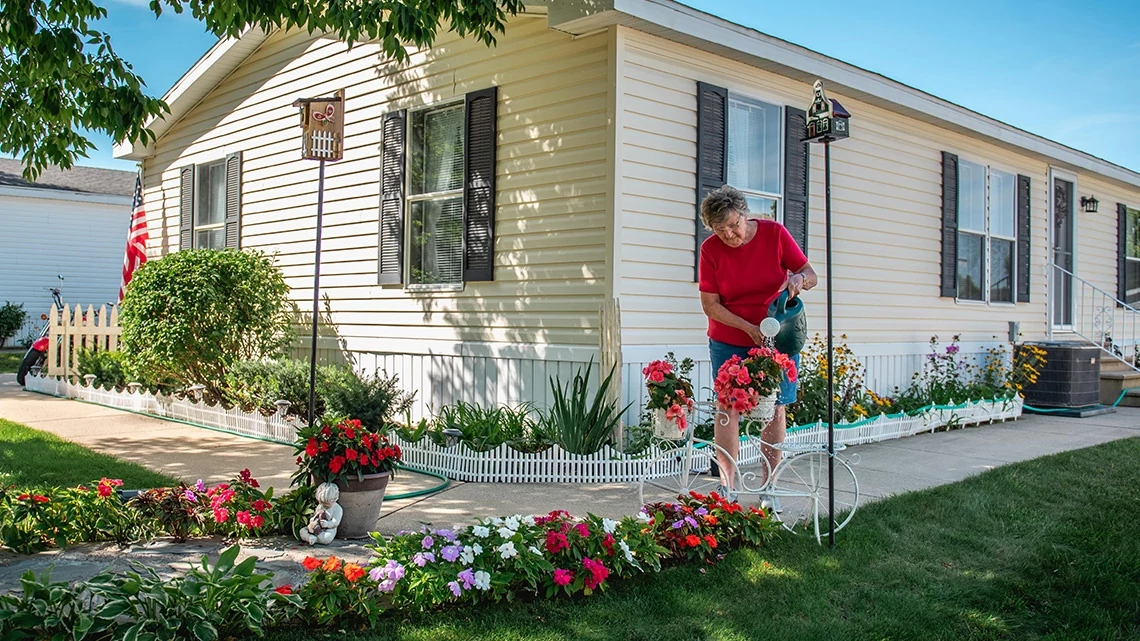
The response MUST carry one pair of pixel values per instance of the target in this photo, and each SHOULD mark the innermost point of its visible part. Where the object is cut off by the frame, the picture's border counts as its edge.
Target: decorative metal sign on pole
(827, 121)
(322, 138)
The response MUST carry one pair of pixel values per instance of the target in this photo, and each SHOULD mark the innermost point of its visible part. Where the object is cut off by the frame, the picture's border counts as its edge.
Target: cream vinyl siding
(552, 212)
(886, 200)
(1096, 233)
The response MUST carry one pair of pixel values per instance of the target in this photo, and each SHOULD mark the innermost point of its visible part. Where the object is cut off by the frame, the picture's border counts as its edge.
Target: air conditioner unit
(1071, 377)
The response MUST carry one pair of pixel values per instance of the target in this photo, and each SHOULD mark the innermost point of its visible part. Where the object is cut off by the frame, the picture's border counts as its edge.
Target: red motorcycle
(36, 356)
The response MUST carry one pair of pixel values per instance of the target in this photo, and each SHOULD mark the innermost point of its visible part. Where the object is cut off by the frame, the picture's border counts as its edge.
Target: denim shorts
(720, 352)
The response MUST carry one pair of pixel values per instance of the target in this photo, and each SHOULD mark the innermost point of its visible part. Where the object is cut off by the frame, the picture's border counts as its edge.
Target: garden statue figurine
(322, 527)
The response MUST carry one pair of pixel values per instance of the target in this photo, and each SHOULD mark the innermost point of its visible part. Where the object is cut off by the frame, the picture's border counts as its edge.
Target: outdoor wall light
(1089, 204)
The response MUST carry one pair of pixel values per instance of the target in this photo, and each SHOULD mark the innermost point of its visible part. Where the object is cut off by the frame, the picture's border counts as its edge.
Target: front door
(1063, 255)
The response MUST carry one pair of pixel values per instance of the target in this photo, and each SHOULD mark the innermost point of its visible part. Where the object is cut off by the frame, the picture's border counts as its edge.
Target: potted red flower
(359, 461)
(750, 385)
(670, 395)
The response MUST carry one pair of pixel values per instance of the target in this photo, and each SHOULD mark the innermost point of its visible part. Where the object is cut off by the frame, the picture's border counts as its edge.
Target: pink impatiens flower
(563, 577)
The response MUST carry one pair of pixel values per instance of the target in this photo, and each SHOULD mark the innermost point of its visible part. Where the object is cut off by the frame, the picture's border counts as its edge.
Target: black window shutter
(479, 186)
(233, 201)
(186, 208)
(949, 225)
(1024, 231)
(391, 242)
(797, 169)
(712, 152)
(1121, 252)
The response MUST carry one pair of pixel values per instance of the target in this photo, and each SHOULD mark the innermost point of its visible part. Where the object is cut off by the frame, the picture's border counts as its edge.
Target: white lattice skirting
(505, 464)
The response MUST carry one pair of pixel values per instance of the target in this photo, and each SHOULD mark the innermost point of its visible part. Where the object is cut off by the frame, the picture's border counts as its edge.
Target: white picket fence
(504, 464)
(73, 330)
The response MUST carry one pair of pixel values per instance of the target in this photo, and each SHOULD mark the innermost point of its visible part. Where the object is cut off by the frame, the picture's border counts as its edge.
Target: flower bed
(505, 464)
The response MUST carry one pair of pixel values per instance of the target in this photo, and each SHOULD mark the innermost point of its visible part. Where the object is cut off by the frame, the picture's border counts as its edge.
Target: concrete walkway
(884, 469)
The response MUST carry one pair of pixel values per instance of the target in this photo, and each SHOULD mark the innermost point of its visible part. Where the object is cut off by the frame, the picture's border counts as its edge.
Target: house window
(1132, 256)
(754, 143)
(987, 233)
(210, 206)
(435, 195)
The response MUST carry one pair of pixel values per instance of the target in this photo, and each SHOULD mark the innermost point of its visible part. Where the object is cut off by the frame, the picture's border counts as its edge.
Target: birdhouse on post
(322, 125)
(827, 120)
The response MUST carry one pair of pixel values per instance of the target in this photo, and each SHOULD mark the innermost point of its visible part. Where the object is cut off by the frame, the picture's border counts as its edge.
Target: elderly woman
(744, 266)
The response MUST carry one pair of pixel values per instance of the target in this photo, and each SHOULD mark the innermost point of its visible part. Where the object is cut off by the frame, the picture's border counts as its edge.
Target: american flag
(136, 239)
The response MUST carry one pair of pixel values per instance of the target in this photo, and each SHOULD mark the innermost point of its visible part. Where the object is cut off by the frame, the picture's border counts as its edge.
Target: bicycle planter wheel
(678, 471)
(800, 484)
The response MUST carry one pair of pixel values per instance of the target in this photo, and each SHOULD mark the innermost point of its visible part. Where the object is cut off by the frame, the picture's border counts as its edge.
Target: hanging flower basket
(669, 427)
(765, 409)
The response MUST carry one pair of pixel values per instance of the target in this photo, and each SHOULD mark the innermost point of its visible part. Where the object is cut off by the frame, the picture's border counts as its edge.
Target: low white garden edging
(504, 464)
(274, 427)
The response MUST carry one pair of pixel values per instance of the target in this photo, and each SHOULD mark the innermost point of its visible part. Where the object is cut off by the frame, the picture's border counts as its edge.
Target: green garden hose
(1046, 410)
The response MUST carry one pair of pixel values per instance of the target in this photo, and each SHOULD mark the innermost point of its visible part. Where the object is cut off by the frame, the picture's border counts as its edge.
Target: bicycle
(799, 482)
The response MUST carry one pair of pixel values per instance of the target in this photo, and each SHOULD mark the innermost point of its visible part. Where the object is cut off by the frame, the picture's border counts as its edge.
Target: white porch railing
(1103, 320)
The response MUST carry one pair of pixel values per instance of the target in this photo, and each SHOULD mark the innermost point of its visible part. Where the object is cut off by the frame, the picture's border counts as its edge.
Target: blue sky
(1069, 71)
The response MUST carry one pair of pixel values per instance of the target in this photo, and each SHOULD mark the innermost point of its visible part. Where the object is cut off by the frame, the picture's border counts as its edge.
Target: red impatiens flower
(693, 540)
(311, 447)
(353, 572)
(261, 505)
(598, 572)
(556, 542)
(311, 563)
(351, 454)
(284, 589)
(40, 498)
(256, 521)
(711, 540)
(23, 497)
(336, 464)
(332, 564)
(563, 577)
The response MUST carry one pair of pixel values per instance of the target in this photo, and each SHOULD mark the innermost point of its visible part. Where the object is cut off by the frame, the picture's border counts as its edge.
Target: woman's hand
(795, 285)
(756, 335)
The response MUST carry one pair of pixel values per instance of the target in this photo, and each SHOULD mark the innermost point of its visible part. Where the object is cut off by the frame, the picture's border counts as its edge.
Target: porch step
(1112, 382)
(1110, 364)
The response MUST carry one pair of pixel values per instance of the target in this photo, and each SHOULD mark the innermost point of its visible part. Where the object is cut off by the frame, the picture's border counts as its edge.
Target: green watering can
(793, 323)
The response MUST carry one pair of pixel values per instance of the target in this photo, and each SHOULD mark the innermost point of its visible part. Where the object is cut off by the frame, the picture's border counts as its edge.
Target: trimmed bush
(12, 317)
(110, 368)
(193, 314)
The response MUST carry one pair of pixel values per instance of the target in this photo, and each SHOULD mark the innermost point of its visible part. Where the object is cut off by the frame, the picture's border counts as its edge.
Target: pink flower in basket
(741, 382)
(669, 389)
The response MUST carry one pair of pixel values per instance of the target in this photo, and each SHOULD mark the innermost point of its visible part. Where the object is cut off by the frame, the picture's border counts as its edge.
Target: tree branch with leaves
(60, 77)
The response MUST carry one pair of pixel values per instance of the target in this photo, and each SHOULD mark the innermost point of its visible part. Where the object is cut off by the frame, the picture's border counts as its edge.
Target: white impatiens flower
(529, 520)
(483, 580)
(507, 550)
(512, 522)
(625, 550)
(506, 532)
(477, 549)
(480, 531)
(535, 550)
(467, 556)
(609, 525)
(643, 517)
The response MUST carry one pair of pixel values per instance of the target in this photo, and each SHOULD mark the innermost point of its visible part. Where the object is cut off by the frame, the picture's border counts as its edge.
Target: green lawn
(10, 362)
(32, 457)
(1046, 549)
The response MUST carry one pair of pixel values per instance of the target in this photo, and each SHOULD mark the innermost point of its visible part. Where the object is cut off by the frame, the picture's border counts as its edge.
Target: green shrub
(373, 399)
(110, 368)
(193, 314)
(260, 384)
(12, 317)
(578, 421)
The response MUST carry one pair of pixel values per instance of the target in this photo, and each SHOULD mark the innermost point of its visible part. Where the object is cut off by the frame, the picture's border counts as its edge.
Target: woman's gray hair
(720, 201)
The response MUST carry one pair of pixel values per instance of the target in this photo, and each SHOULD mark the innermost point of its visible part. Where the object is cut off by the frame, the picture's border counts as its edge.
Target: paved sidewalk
(883, 469)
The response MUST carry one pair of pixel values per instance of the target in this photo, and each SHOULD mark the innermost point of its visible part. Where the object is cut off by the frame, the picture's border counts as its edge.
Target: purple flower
(423, 558)
(201, 487)
(190, 496)
(394, 570)
(387, 585)
(447, 534)
(701, 511)
(467, 578)
(427, 542)
(678, 524)
(450, 553)
(691, 521)
(454, 587)
(951, 349)
(377, 574)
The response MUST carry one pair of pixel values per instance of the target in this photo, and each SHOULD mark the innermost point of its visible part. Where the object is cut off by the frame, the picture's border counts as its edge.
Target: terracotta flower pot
(362, 502)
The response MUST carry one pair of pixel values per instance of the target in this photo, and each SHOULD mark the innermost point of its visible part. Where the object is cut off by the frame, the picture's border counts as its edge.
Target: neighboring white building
(597, 126)
(70, 223)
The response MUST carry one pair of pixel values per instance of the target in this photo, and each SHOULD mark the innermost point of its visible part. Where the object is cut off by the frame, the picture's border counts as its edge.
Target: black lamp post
(827, 121)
